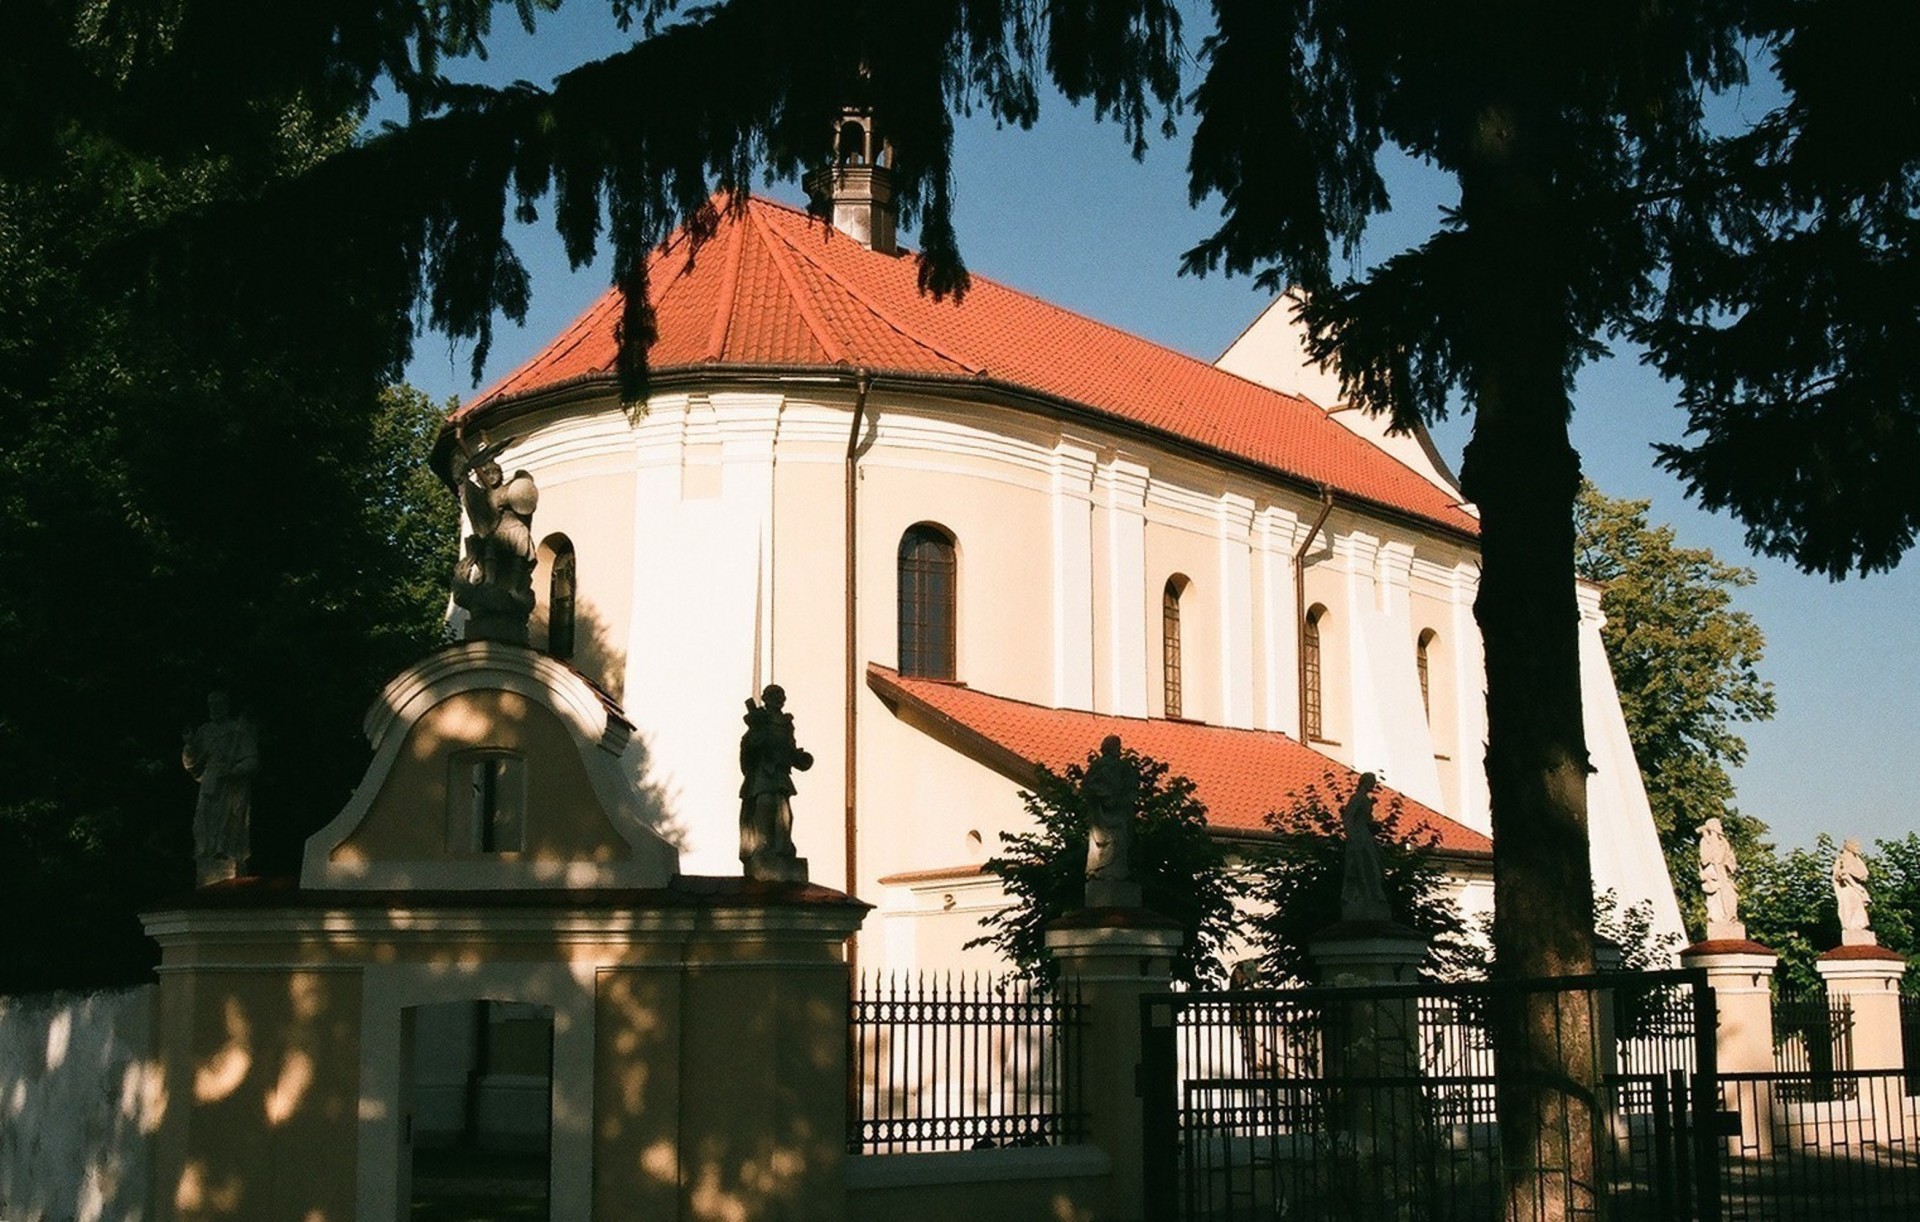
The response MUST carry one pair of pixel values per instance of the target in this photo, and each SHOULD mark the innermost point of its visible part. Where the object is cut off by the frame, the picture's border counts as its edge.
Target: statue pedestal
(771, 869)
(1740, 973)
(211, 870)
(1867, 978)
(1112, 893)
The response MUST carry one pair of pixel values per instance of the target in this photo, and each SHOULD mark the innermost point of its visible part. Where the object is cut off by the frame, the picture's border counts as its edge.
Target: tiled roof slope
(1239, 774)
(774, 287)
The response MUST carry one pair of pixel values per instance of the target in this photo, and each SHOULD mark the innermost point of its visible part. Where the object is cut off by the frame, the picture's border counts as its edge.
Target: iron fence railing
(1813, 1046)
(1843, 1143)
(1380, 1101)
(1910, 1040)
(961, 1063)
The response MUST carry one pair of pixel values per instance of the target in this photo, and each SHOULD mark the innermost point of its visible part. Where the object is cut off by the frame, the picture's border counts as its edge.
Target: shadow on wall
(80, 1098)
(601, 663)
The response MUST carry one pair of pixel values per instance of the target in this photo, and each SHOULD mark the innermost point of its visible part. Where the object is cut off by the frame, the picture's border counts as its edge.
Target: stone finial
(1850, 892)
(493, 581)
(1718, 866)
(1363, 884)
(1112, 793)
(223, 754)
(768, 757)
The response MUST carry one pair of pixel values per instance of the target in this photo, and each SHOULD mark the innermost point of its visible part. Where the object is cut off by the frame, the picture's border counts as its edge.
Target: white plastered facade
(708, 526)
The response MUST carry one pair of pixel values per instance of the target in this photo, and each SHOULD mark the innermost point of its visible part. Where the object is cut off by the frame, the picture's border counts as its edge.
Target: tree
(1181, 870)
(1686, 665)
(1295, 885)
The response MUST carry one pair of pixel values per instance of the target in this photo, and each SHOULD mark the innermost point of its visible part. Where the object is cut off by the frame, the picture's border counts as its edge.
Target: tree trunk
(1520, 469)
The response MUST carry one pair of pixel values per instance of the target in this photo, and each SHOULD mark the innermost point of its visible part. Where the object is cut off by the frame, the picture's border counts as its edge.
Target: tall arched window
(1427, 636)
(1170, 642)
(928, 600)
(1310, 696)
(561, 579)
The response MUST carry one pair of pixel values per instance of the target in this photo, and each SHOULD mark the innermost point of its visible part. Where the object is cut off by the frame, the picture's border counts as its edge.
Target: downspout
(862, 382)
(1300, 606)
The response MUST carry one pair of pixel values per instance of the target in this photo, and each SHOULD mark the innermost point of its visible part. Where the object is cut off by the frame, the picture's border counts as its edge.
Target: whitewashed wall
(80, 1097)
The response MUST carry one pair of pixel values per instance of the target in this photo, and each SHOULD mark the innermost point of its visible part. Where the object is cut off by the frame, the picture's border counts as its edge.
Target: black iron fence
(1379, 1102)
(1910, 1040)
(1813, 1046)
(961, 1062)
(1842, 1144)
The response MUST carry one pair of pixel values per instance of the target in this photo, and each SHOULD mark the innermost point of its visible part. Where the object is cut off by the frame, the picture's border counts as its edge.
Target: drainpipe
(1300, 605)
(862, 382)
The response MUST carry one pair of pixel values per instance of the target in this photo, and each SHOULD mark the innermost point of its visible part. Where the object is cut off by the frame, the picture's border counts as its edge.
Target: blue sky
(1063, 212)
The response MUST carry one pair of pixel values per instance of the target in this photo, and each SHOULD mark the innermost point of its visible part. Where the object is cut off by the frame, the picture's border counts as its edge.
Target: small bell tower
(856, 191)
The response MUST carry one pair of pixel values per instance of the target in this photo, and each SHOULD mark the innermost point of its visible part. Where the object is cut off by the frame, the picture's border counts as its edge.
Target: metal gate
(1378, 1102)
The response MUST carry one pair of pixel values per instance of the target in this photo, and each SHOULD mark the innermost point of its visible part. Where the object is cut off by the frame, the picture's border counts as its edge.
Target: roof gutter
(962, 386)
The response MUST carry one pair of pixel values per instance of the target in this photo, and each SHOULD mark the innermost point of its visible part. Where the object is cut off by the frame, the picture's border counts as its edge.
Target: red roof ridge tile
(822, 334)
(874, 308)
(729, 285)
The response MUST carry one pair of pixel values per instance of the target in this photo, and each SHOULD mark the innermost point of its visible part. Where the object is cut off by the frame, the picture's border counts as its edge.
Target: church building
(972, 536)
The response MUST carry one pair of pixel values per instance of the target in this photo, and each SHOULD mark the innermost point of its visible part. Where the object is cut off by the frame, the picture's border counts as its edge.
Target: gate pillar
(1114, 957)
(1867, 978)
(1740, 973)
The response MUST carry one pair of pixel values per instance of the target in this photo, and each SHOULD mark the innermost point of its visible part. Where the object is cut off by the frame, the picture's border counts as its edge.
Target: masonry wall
(79, 1100)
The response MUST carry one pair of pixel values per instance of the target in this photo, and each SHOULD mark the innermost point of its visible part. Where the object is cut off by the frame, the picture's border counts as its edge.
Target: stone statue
(1717, 868)
(1363, 885)
(1850, 891)
(223, 755)
(1112, 792)
(768, 756)
(493, 580)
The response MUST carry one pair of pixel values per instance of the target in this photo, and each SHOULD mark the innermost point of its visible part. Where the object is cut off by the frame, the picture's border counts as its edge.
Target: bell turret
(856, 191)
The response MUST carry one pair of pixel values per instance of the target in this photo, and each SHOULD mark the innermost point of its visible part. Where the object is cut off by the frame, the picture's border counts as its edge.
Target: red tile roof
(1239, 774)
(776, 288)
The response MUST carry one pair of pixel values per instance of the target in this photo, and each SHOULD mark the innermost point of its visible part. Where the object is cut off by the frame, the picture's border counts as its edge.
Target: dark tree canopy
(1180, 867)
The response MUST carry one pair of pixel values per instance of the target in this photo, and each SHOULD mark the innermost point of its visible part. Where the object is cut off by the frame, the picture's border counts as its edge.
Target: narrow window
(498, 798)
(1170, 641)
(1420, 663)
(1310, 674)
(560, 598)
(928, 598)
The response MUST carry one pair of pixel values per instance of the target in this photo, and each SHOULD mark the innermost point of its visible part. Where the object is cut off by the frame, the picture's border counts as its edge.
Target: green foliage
(1631, 929)
(1686, 663)
(1787, 904)
(1178, 864)
(1296, 885)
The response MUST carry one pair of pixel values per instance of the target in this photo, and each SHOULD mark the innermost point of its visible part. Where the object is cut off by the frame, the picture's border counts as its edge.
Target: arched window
(560, 597)
(1170, 641)
(1427, 636)
(1310, 701)
(928, 599)
(853, 143)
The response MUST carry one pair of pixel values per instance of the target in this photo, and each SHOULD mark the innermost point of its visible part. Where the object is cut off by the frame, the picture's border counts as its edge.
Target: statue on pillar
(768, 756)
(223, 754)
(493, 581)
(1112, 793)
(1363, 884)
(1717, 869)
(1850, 892)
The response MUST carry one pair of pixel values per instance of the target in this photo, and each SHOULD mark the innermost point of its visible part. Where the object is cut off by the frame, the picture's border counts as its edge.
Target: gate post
(1114, 957)
(1740, 973)
(1867, 978)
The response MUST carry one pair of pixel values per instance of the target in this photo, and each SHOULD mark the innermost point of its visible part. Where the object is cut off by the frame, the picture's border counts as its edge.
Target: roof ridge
(866, 302)
(729, 284)
(822, 334)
